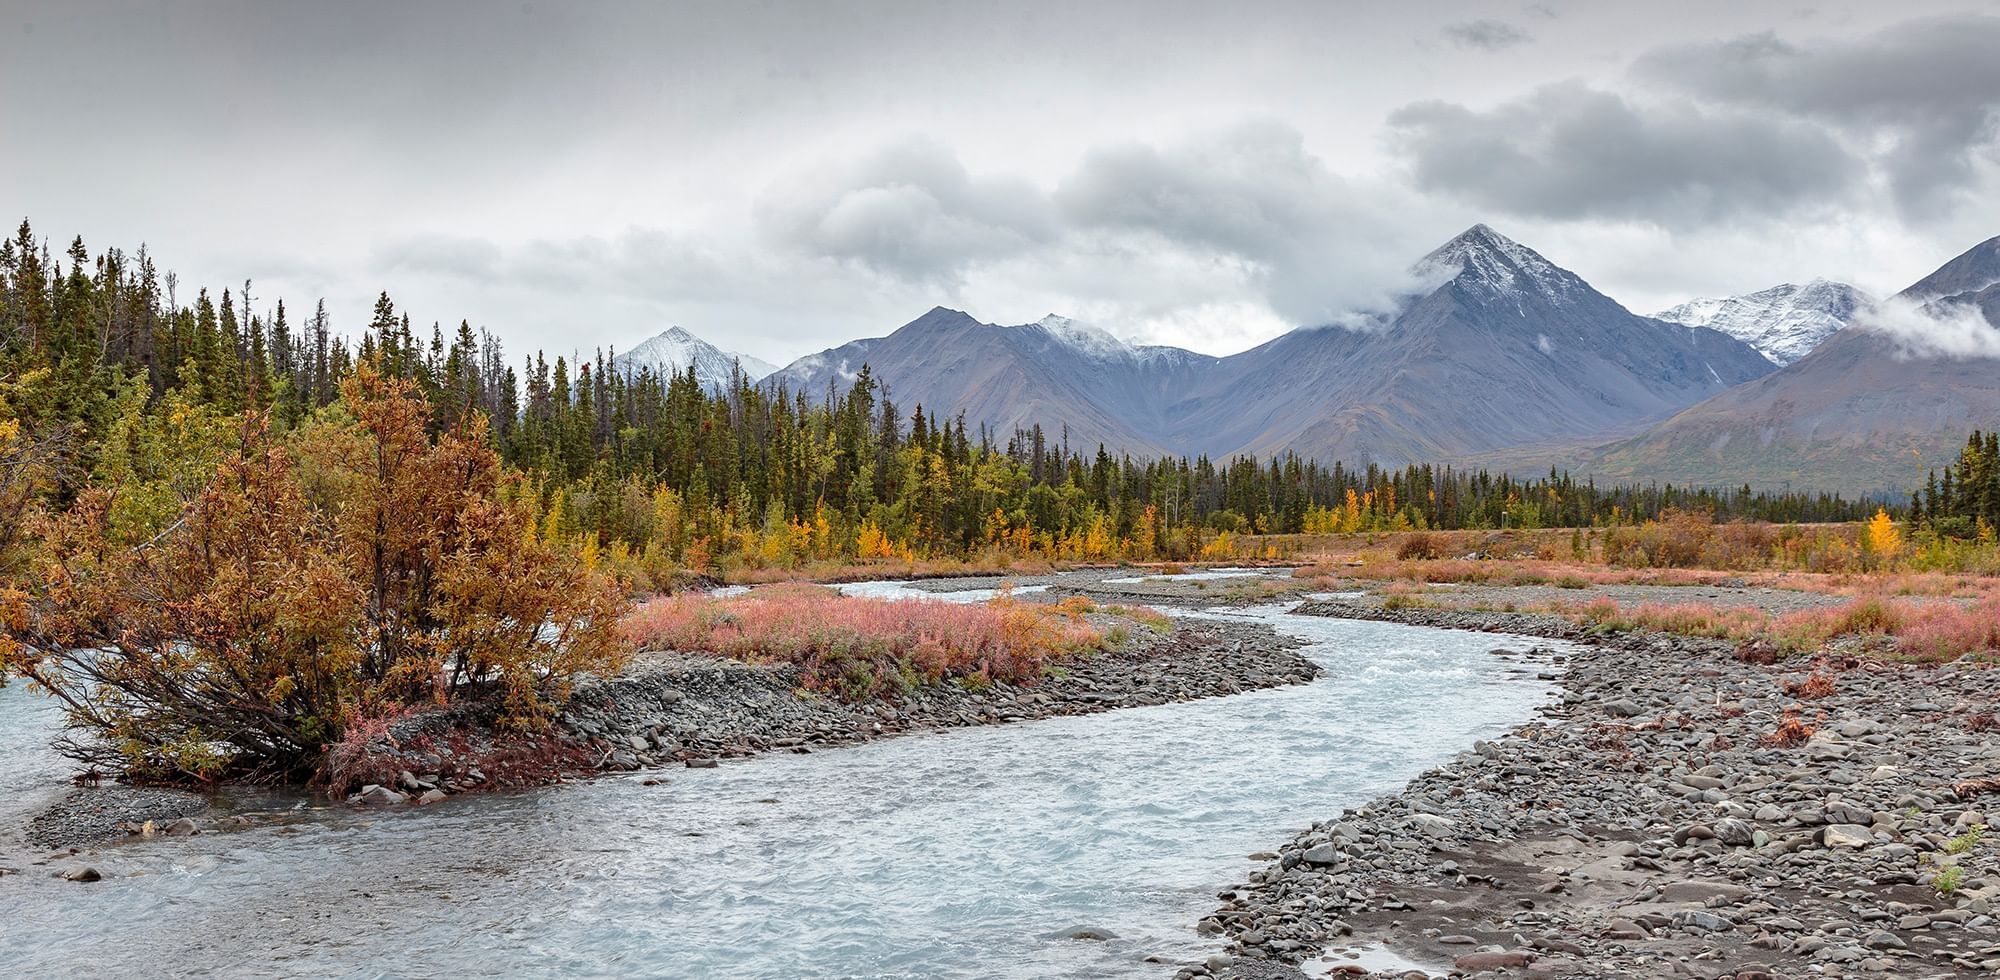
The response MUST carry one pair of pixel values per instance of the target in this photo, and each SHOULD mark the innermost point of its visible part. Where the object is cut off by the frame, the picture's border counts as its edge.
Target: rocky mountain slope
(1506, 348)
(1054, 372)
(1871, 409)
(1785, 322)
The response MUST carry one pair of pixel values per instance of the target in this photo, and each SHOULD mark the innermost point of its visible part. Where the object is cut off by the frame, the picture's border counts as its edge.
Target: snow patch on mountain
(1784, 322)
(1501, 266)
(1089, 340)
(675, 350)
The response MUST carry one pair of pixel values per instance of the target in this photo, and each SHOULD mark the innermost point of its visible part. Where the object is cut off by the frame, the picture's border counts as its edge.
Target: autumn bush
(1419, 545)
(358, 567)
(861, 648)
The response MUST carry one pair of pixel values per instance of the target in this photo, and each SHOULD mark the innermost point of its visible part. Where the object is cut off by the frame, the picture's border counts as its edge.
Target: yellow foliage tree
(870, 542)
(1146, 534)
(1882, 539)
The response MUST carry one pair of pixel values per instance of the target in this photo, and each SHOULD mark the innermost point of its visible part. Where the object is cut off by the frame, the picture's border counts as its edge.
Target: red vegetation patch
(1817, 685)
(1947, 632)
(1933, 632)
(861, 648)
(1792, 732)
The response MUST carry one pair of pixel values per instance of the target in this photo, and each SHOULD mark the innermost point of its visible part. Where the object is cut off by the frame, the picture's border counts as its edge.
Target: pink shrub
(864, 648)
(1701, 619)
(1950, 631)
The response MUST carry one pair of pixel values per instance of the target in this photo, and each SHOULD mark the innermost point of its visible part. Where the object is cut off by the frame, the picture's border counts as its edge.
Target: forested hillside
(113, 372)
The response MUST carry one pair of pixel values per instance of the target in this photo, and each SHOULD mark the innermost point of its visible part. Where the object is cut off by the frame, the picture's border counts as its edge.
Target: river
(968, 853)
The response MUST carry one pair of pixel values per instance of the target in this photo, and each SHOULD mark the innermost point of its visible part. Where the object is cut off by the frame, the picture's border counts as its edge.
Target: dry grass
(1569, 574)
(1737, 624)
(1682, 551)
(1405, 595)
(864, 648)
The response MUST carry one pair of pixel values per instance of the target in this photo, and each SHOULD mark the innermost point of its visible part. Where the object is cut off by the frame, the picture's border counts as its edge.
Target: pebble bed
(1646, 827)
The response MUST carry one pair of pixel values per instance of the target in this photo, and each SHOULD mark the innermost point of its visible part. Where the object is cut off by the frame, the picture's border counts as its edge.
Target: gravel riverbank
(683, 709)
(1647, 826)
(101, 814)
(691, 709)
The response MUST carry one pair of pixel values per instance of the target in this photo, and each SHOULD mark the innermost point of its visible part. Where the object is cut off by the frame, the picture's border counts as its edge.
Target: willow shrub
(360, 568)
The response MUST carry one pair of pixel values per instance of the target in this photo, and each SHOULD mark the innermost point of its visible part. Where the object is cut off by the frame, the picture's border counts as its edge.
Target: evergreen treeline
(1965, 501)
(657, 472)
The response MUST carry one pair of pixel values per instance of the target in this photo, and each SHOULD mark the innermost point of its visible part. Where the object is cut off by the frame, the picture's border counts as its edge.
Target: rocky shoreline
(679, 709)
(103, 814)
(693, 710)
(1650, 825)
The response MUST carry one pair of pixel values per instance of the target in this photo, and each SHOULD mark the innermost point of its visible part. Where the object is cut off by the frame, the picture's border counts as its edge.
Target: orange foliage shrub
(362, 568)
(1419, 545)
(1676, 540)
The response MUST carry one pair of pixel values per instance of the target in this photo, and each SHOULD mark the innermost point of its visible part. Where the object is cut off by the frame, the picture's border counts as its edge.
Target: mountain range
(1054, 372)
(1500, 347)
(1499, 358)
(1871, 409)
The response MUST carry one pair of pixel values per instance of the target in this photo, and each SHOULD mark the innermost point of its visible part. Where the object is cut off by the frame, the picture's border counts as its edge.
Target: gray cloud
(1954, 330)
(1245, 190)
(1923, 95)
(1253, 192)
(1486, 35)
(1569, 151)
(1245, 211)
(909, 210)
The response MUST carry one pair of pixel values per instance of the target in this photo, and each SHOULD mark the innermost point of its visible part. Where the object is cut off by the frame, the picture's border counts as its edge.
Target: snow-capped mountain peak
(675, 350)
(1785, 322)
(1094, 341)
(1484, 258)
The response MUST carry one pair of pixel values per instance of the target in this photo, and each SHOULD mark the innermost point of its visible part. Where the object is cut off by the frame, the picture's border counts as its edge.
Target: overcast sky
(782, 177)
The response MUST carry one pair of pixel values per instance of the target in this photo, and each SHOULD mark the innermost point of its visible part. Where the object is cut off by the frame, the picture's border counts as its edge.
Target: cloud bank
(1751, 127)
(1959, 331)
